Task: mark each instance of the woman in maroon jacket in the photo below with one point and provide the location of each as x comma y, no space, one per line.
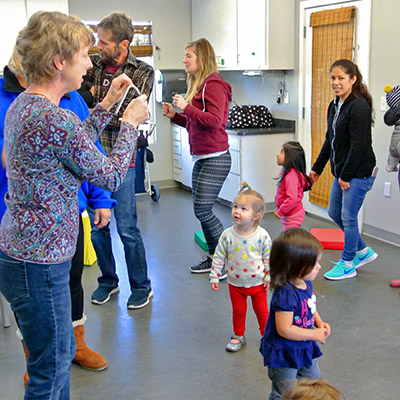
204,115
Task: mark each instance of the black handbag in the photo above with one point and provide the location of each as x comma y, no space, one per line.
250,116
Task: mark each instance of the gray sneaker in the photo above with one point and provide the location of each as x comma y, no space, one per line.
203,267
139,299
102,294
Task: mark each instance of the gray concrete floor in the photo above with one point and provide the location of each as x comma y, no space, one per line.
174,349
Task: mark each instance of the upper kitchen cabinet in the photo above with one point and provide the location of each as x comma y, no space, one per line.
265,34
247,34
216,21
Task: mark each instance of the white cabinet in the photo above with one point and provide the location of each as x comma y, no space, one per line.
216,21
231,185
247,34
254,161
265,34
182,160
259,167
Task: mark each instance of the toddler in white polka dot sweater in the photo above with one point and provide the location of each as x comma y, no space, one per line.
244,251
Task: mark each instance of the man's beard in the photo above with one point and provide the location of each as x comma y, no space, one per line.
109,58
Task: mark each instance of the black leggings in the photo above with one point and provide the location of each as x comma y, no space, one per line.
75,277
208,176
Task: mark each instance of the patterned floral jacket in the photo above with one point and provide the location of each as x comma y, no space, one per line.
49,151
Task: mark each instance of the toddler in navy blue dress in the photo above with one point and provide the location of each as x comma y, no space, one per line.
294,325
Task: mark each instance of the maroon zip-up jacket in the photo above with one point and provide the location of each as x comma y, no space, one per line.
206,116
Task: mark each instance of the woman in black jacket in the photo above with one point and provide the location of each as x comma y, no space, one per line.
348,146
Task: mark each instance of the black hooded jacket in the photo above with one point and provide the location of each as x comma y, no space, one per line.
349,145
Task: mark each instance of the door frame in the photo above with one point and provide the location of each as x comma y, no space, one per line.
361,57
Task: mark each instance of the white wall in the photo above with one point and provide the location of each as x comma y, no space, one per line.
14,16
258,90
171,31
381,212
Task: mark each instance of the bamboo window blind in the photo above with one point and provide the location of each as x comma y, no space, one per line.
333,39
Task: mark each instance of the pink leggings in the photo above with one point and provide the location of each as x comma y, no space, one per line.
258,296
293,221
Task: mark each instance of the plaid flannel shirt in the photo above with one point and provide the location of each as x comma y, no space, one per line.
142,75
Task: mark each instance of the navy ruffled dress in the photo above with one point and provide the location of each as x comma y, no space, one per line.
279,352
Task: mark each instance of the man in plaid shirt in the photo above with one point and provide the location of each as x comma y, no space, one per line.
115,34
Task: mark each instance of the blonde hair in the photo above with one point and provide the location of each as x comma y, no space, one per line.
313,389
254,199
47,35
207,65
14,64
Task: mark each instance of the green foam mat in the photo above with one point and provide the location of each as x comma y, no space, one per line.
200,240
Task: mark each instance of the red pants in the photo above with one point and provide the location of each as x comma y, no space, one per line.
239,307
293,221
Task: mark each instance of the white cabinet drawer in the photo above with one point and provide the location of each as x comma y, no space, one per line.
235,167
176,147
176,133
177,160
178,174
234,143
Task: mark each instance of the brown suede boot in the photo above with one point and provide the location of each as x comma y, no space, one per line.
26,376
85,356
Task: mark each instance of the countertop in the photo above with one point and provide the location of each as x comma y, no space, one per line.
281,126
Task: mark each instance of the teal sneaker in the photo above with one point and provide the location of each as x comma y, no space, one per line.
362,259
341,271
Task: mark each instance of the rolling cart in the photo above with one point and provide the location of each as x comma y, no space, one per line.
144,157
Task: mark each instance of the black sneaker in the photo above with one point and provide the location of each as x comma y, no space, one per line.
102,294
203,267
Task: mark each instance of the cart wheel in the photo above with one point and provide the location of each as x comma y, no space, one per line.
155,192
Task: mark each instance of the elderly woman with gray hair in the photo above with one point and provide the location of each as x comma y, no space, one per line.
49,151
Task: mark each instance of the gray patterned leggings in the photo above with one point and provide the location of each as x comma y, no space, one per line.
208,176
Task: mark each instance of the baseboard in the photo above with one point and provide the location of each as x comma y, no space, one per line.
381,234
166,184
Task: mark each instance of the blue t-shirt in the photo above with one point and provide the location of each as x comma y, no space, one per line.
279,352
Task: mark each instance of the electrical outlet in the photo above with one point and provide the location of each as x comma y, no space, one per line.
386,189
383,103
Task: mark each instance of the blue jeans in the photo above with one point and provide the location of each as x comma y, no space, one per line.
40,297
343,208
135,256
284,378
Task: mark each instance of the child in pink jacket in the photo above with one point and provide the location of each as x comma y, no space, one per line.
293,182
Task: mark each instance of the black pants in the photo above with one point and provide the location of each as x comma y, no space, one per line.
75,276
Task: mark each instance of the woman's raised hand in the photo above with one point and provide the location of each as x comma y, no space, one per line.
116,91
136,112
168,110
179,101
